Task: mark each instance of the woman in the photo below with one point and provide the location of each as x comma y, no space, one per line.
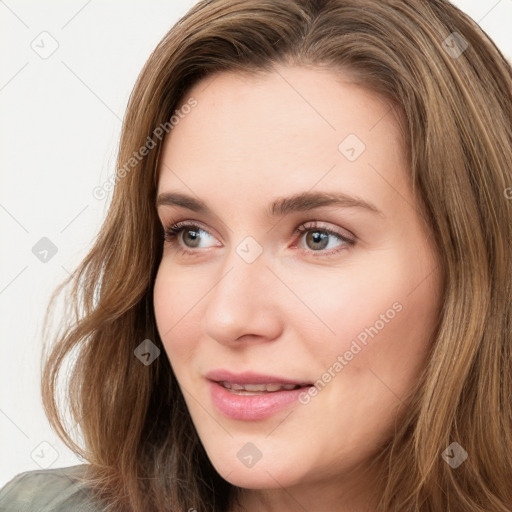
225,362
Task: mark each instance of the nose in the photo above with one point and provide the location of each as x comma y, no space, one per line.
244,303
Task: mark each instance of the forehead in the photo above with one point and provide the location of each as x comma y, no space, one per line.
286,129
288,100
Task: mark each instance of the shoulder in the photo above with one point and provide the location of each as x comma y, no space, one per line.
45,490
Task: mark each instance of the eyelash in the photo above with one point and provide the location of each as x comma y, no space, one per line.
171,234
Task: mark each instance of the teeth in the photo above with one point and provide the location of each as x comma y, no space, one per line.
262,388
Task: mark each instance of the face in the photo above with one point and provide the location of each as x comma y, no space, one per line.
337,292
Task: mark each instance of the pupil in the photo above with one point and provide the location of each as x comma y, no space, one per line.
194,236
317,236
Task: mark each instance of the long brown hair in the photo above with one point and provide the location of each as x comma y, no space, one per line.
453,88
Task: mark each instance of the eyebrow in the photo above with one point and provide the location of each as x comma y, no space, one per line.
280,207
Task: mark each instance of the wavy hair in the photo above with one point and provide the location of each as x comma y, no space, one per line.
453,88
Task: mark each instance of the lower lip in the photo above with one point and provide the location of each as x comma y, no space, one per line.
251,407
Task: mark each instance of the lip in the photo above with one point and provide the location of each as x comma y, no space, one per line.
251,407
251,378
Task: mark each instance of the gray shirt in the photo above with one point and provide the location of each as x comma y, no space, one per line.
49,490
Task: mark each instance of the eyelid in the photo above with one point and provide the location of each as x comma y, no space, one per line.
344,234
307,225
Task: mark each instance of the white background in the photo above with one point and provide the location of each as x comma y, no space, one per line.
60,125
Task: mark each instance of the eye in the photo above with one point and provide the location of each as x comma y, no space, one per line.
186,237
191,233
317,238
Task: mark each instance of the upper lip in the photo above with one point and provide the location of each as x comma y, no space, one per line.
251,378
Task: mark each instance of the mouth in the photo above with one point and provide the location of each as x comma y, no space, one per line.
249,396
256,389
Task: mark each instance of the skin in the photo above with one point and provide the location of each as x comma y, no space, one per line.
293,311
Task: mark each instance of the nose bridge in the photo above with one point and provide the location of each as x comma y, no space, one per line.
239,301
241,278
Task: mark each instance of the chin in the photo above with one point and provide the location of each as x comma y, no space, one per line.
239,470
257,479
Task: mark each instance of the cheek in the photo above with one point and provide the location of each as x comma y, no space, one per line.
379,315
405,342
383,323
173,306
349,300
162,303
